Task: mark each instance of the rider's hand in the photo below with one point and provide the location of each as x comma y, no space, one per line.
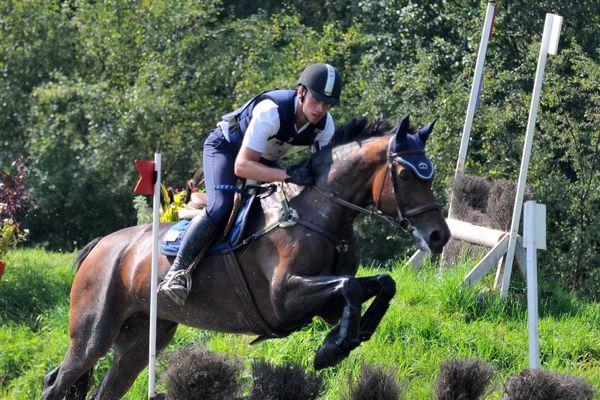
300,174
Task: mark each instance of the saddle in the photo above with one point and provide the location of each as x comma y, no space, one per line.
232,235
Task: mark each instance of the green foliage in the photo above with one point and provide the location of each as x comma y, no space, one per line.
432,318
143,211
34,310
35,282
10,235
87,87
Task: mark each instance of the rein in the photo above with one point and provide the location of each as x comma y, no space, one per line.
401,221
370,213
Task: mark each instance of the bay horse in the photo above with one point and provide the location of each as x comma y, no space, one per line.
292,274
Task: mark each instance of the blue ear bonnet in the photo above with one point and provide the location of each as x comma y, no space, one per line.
411,154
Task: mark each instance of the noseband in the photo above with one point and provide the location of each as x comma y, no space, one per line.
402,220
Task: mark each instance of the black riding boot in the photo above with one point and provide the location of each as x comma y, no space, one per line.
177,283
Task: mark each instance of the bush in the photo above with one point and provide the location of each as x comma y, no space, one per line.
194,373
539,384
284,382
374,383
463,379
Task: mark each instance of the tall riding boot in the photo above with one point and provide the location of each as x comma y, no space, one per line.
177,283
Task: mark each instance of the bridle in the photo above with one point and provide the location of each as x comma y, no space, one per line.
402,219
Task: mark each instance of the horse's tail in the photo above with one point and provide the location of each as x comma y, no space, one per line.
85,251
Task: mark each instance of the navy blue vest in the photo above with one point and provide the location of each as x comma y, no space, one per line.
284,98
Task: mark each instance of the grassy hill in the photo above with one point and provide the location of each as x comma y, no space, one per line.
433,318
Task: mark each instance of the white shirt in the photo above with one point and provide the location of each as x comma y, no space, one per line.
265,124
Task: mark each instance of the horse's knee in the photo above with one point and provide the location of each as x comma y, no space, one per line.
352,291
387,286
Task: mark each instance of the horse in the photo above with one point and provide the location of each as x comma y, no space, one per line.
291,273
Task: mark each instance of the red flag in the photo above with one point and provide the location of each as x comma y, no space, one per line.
145,185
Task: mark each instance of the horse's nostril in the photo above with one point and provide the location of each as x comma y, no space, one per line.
435,237
437,240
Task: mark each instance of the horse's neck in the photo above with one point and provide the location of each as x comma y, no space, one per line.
353,167
347,175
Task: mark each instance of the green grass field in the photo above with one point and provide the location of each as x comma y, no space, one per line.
433,318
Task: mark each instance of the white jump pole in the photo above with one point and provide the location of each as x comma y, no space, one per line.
486,34
534,237
549,45
154,279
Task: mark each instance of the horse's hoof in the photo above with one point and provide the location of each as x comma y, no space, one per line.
330,354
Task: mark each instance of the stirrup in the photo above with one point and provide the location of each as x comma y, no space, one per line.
176,285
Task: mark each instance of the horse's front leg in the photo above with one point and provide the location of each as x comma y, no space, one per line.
383,288
299,295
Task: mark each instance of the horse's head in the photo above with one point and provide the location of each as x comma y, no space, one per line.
402,188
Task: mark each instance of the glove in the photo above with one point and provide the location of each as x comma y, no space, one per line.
300,174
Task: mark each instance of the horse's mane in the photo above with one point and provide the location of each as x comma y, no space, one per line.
359,129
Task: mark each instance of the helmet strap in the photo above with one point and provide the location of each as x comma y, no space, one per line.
303,93
301,104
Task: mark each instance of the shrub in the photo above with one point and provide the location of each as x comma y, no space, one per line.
284,382
194,373
463,379
374,383
539,384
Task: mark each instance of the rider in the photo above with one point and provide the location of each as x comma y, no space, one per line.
246,144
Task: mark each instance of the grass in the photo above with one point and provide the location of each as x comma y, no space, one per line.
433,318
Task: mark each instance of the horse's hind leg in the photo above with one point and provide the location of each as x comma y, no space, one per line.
79,390
92,329
129,358
71,377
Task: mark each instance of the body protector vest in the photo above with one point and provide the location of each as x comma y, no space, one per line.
239,119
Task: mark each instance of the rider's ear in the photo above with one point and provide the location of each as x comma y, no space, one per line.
425,131
402,130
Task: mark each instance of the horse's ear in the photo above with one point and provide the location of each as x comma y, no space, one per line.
426,130
403,129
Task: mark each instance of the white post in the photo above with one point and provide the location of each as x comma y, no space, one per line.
549,41
154,278
534,238
417,258
475,86
474,96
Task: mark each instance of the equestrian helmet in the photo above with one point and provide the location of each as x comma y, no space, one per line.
323,81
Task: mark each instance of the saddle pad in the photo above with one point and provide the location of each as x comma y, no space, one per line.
172,240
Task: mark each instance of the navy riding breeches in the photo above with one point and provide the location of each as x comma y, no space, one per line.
219,159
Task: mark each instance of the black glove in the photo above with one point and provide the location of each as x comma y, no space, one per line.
300,174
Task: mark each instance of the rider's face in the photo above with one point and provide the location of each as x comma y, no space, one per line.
313,109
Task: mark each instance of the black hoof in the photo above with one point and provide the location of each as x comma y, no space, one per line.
330,354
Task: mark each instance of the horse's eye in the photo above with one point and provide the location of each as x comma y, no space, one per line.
405,175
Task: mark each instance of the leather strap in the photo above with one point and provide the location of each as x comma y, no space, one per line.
239,281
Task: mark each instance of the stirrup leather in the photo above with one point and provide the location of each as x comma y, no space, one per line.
176,285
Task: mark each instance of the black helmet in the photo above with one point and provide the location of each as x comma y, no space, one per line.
323,81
